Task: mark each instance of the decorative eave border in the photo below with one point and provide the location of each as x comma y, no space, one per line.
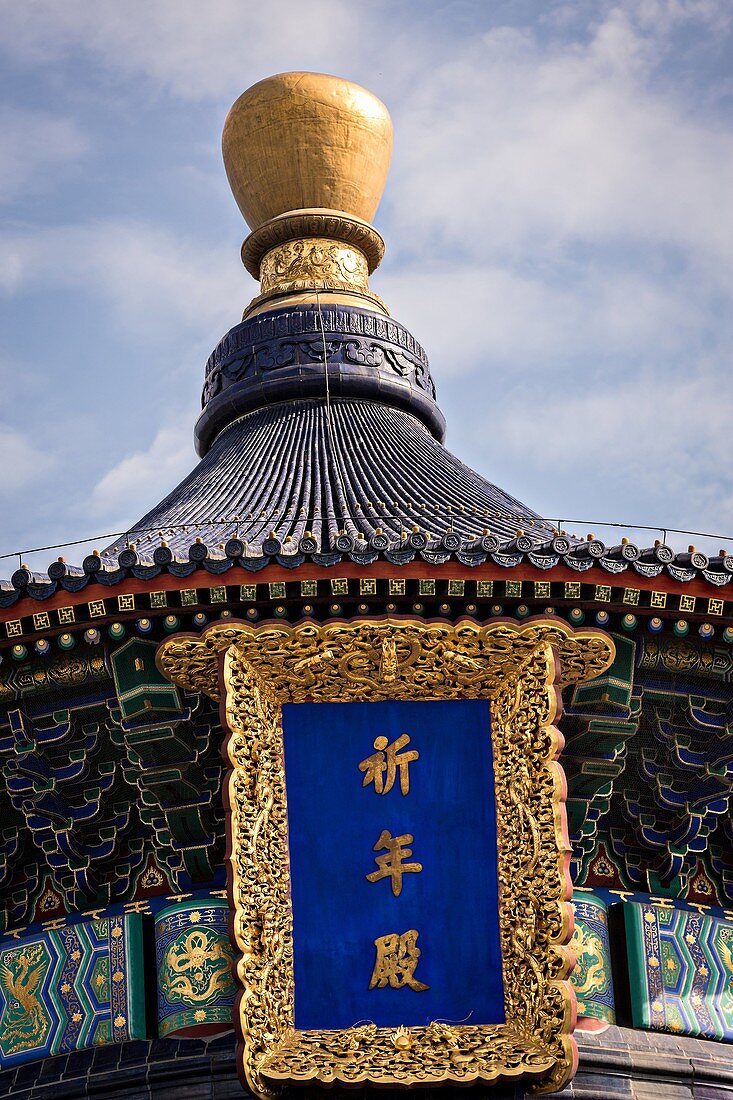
647,565
278,591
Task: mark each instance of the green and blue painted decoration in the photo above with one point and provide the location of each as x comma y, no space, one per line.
592,979
680,970
194,960
74,986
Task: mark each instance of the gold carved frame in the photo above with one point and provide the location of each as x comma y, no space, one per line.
519,668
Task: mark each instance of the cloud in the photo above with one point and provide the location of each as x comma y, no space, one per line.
473,319
140,479
193,50
21,461
152,277
33,142
600,451
523,147
667,15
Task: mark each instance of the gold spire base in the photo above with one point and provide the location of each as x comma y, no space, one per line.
304,254
299,224
297,265
325,296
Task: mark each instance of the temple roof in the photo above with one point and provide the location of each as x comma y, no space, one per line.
320,432
308,472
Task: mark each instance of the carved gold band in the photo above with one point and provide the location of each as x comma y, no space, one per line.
314,263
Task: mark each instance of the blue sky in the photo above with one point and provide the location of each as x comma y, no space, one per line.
559,223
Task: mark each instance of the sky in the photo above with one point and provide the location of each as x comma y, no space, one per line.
559,227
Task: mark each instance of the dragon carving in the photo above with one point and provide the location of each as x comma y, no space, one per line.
197,968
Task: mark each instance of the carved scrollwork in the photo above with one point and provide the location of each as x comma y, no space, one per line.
257,817
298,224
516,667
314,263
288,353
449,659
353,338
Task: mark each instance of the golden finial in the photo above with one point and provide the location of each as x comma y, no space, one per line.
299,141
307,157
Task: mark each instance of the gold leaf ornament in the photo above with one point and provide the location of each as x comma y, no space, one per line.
518,667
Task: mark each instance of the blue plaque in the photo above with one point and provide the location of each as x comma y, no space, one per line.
398,868
393,863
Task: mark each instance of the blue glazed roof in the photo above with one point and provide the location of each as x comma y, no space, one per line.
290,476
352,468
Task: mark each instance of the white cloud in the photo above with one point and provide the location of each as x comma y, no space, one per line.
598,451
135,483
152,277
33,141
665,15
192,49
474,318
521,148
21,461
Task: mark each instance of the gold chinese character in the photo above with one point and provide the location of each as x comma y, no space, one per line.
387,760
391,864
397,958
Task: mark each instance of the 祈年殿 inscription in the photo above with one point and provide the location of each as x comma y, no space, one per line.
392,838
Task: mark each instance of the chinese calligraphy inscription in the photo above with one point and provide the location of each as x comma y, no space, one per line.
381,767
514,667
392,863
397,959
397,955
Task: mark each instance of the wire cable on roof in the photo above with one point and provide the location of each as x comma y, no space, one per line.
141,532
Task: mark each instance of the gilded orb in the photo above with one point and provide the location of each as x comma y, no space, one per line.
305,140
